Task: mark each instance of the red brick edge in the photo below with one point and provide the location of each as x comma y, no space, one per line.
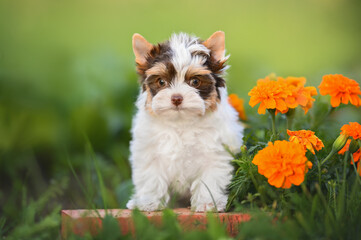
81,221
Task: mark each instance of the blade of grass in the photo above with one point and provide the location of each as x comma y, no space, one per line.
325,204
210,193
99,175
86,194
354,167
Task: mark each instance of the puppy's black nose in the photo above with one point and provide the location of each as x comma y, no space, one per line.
177,99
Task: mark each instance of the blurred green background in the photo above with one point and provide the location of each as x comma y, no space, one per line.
68,81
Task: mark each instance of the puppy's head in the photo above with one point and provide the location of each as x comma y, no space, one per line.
181,76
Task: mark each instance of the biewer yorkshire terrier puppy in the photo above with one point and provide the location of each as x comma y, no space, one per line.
183,125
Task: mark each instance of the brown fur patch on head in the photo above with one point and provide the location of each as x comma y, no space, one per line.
159,53
148,102
210,77
206,87
164,71
212,100
217,68
196,70
157,69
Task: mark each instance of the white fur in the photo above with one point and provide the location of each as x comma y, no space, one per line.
183,46
182,149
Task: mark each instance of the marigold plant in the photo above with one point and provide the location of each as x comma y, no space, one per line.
356,155
238,104
353,129
307,139
341,89
283,163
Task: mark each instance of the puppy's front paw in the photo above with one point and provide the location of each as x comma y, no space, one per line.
204,207
145,206
131,204
209,207
149,207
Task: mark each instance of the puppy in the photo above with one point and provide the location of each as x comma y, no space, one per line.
183,123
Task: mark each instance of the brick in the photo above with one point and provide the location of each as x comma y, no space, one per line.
81,221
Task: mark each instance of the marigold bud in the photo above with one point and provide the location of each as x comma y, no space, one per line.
244,149
353,146
339,143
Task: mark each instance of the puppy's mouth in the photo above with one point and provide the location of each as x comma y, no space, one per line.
177,108
170,109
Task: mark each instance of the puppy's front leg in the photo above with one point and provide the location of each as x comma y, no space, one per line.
211,188
151,190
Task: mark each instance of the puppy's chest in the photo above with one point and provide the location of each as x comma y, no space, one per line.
186,148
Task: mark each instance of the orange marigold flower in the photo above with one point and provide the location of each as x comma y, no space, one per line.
270,94
357,155
300,95
294,85
307,139
353,129
282,94
238,104
341,89
283,163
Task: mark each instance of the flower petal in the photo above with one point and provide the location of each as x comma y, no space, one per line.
270,103
262,108
335,101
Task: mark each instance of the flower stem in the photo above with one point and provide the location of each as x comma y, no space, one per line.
347,154
272,112
290,115
328,157
289,123
319,170
273,125
322,119
342,192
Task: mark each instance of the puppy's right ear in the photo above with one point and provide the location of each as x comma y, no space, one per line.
216,44
141,48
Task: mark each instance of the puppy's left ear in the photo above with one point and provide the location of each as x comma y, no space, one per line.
141,48
216,44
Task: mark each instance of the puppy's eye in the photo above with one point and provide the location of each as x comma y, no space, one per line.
161,82
195,83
